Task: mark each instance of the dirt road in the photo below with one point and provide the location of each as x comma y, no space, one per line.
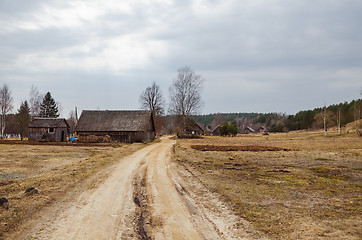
142,198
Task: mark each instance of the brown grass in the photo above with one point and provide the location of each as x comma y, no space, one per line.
54,170
225,148
311,193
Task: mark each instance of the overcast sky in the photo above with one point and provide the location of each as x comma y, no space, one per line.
254,55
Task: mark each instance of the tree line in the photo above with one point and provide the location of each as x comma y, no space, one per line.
325,117
184,105
319,118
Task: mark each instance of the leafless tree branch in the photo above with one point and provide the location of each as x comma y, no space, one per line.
6,104
152,99
185,97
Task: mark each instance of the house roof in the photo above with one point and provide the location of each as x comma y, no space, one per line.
250,129
114,121
48,123
215,128
199,126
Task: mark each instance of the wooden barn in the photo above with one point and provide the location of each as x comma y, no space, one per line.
216,131
117,126
48,130
262,129
248,130
194,130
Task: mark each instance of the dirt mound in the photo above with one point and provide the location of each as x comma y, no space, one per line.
253,148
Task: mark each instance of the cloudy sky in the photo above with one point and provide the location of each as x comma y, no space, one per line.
254,55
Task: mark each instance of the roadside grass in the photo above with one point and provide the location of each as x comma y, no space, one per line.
314,191
53,170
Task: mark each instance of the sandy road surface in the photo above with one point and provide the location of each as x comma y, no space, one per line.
141,199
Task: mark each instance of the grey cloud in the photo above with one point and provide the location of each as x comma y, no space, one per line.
10,9
278,50
294,35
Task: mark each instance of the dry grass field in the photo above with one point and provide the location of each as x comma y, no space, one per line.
54,171
299,185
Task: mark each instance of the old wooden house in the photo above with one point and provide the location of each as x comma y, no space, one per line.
48,130
262,129
216,131
117,126
194,130
248,130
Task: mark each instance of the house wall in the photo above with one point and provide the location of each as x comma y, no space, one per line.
246,131
216,132
43,135
196,130
149,136
127,137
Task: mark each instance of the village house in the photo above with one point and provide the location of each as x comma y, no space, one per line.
216,131
195,130
48,130
262,129
118,126
248,130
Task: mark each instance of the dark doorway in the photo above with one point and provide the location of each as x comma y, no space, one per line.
62,140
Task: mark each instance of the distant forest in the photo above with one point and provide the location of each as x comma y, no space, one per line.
273,122
279,122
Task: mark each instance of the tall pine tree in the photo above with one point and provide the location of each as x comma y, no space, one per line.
22,119
48,108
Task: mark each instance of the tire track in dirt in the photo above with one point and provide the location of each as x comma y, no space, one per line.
106,212
140,199
142,215
172,219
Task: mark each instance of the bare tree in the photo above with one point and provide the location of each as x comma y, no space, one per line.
152,99
35,101
185,97
6,104
325,119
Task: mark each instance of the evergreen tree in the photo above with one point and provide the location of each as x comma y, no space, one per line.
228,129
232,129
23,119
224,129
48,108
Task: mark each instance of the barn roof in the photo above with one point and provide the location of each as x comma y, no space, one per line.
215,128
199,126
250,129
48,123
114,121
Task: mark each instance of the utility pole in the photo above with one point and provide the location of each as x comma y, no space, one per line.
75,121
76,117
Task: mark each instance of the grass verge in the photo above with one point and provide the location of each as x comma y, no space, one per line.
53,170
315,192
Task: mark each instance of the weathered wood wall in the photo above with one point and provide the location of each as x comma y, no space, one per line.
43,135
127,137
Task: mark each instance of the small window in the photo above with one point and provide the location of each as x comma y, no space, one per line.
51,130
